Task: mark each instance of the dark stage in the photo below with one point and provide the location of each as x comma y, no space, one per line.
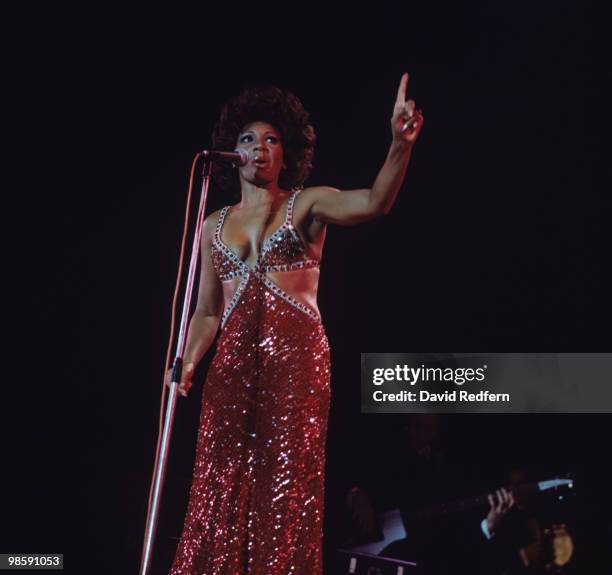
498,242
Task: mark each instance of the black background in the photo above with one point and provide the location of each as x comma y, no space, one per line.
499,239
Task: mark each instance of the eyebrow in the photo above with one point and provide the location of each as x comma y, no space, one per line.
265,133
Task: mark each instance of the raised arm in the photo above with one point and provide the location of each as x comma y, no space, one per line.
329,205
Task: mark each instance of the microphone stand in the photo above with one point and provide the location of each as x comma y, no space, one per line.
177,368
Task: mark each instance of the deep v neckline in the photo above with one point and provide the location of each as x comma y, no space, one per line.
264,244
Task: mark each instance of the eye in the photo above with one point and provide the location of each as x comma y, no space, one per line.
272,139
246,139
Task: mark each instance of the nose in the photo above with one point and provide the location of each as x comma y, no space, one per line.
259,144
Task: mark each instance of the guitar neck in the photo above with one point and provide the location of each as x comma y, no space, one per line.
468,503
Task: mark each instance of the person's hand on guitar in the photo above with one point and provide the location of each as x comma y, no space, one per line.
500,503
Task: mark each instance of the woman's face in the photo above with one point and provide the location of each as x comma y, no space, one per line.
263,144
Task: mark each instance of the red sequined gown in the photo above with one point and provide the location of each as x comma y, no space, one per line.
256,501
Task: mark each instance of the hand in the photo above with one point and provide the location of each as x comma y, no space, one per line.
186,375
406,122
500,506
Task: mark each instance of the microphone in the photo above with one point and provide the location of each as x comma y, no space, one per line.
237,157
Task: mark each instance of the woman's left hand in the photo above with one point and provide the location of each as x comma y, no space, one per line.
406,122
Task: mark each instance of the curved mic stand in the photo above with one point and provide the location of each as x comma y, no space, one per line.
177,368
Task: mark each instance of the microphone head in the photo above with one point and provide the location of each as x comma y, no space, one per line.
237,157
244,157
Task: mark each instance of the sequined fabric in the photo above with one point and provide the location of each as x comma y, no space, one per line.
256,501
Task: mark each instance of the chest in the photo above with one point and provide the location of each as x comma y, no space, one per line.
247,232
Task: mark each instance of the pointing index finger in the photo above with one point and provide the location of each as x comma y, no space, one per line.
401,91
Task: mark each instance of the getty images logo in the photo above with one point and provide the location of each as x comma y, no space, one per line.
414,375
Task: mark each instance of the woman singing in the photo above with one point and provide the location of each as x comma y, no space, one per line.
256,500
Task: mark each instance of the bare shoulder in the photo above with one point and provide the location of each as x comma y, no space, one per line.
212,219
210,225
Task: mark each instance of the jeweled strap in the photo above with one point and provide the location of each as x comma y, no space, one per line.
235,298
301,265
287,297
289,216
220,223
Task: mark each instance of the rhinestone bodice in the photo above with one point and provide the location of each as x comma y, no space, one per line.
283,251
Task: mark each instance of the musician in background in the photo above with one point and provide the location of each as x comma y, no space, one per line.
420,476
507,537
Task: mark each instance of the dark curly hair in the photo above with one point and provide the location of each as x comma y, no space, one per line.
286,113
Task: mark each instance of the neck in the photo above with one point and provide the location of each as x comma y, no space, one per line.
254,195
